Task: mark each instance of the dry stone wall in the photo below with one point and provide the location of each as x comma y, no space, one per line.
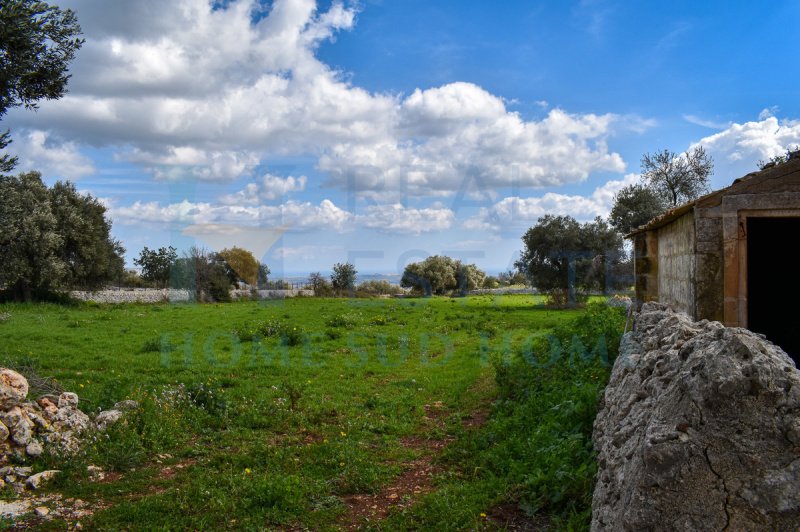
699,430
152,295
29,428
142,295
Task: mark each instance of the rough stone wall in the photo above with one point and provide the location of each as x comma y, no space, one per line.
708,264
676,264
152,295
142,295
699,430
645,264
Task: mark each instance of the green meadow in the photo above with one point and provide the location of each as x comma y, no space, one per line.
325,414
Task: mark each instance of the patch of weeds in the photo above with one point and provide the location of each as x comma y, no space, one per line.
348,320
294,392
282,494
333,334
293,336
379,320
157,344
119,448
253,332
351,469
208,396
372,402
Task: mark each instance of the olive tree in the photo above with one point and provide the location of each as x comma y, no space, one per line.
37,43
440,274
635,205
52,239
343,277
678,178
566,259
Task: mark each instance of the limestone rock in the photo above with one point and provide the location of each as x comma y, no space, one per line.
698,430
13,388
49,404
68,399
34,449
106,418
41,511
70,418
34,481
3,432
22,432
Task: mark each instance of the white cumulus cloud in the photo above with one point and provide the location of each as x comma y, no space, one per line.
193,89
737,149
37,150
396,218
514,212
293,215
269,187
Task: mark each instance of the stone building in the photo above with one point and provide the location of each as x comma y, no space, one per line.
732,256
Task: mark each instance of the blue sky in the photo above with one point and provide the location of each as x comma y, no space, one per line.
380,132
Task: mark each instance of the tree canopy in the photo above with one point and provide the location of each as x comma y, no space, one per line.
634,206
440,274
157,264
91,256
343,277
566,259
203,272
678,178
37,43
242,265
53,238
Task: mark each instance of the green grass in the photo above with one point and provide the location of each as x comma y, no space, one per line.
267,414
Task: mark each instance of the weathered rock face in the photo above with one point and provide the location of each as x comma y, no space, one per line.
13,388
699,430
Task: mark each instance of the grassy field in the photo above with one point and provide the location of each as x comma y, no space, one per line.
326,413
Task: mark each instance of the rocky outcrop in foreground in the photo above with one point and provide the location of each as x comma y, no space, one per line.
699,430
28,429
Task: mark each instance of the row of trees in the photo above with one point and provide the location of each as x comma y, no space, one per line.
211,275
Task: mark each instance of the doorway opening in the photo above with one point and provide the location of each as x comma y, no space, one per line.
773,281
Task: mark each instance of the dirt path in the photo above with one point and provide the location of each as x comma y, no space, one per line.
416,478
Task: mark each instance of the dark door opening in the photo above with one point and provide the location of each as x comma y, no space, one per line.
773,284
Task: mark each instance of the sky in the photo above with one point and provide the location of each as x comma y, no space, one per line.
380,132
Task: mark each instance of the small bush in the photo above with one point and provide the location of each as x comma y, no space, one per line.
348,320
293,336
293,392
157,345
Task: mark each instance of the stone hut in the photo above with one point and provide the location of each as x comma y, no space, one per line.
731,256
